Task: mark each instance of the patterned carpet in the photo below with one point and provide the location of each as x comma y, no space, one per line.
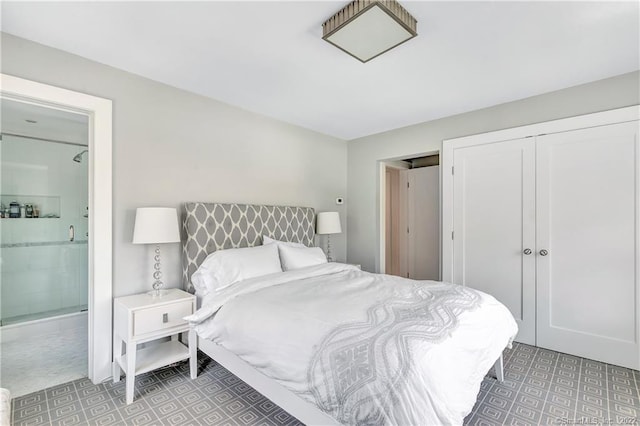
547,387
541,387
162,397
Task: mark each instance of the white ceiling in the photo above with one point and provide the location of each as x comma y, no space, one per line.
268,57
50,123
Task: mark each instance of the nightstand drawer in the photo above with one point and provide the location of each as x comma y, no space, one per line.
161,317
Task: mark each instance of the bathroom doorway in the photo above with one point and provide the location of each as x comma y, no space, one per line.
44,213
98,158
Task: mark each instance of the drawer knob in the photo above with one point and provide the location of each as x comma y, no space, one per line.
165,318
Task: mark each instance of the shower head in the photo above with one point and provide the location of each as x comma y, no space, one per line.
78,157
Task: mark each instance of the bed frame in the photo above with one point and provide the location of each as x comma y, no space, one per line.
207,227
301,409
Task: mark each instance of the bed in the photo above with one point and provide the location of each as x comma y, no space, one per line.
332,344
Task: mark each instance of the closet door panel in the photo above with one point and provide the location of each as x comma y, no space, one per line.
587,209
494,222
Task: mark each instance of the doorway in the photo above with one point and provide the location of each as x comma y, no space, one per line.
98,158
44,211
411,221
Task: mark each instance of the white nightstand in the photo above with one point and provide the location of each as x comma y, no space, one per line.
141,318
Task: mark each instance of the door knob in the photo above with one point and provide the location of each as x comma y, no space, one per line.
543,252
527,251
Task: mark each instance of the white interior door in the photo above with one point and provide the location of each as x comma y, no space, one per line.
587,209
388,229
403,223
494,225
392,225
424,223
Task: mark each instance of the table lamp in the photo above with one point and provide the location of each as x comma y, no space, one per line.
328,223
156,225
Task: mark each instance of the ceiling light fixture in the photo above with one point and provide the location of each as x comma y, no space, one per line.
367,28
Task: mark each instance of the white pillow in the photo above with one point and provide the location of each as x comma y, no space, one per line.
225,267
300,257
267,240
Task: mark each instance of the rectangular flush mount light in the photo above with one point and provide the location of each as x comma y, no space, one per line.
367,28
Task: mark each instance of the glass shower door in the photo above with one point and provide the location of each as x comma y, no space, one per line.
44,240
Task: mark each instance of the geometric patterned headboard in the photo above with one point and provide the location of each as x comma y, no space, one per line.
207,227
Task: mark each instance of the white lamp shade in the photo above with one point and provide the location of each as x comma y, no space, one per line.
328,223
156,225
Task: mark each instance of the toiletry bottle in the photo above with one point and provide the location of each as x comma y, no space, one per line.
14,209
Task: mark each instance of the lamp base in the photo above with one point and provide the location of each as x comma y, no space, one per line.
158,293
329,258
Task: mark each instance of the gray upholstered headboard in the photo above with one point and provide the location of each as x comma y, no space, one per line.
207,227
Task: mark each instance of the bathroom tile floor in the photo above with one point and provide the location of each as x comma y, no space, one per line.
33,363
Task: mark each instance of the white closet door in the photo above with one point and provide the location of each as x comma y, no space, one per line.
423,212
587,209
494,225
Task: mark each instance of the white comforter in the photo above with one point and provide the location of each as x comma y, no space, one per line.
365,348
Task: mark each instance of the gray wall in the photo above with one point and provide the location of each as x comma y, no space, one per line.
366,153
171,146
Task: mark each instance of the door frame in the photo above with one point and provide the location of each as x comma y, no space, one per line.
381,264
449,146
396,163
99,113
